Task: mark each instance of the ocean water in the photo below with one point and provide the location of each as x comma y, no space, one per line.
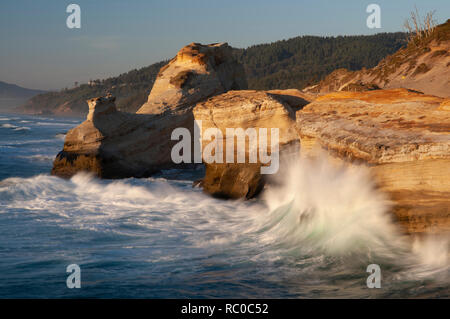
312,236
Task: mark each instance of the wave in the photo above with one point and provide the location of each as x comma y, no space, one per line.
91,201
15,127
38,157
333,207
337,209
319,208
60,136
28,142
47,124
320,224
8,125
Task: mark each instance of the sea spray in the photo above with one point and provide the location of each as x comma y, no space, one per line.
433,250
323,206
330,207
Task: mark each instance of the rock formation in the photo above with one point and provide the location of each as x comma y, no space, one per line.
246,109
115,144
197,72
403,136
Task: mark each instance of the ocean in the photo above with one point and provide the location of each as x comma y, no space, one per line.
311,236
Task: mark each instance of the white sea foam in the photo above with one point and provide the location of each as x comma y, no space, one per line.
8,125
38,157
28,142
320,216
15,127
432,250
60,136
331,207
54,124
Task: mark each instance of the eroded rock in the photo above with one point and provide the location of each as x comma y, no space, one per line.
246,110
197,72
114,144
403,136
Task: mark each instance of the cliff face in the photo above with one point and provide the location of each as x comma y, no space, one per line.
114,144
247,110
424,67
403,136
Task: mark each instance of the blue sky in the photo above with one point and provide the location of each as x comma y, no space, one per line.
39,51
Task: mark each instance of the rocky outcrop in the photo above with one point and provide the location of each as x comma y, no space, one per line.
197,72
403,136
114,144
246,110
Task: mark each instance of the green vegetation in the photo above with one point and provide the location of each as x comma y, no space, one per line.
303,61
293,63
131,90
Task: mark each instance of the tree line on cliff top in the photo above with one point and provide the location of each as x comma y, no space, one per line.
292,63
303,61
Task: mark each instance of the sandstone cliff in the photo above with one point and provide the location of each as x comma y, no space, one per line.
197,72
247,110
114,144
403,136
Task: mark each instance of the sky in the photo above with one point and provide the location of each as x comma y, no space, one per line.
39,51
